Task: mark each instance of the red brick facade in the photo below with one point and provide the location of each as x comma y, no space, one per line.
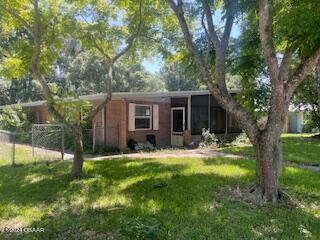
111,124
163,134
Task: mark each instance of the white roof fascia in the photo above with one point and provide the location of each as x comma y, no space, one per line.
124,95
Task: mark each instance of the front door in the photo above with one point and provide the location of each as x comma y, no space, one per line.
177,126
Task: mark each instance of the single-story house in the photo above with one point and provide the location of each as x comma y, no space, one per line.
172,118
295,123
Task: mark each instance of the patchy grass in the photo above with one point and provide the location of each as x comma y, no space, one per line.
23,154
299,148
177,198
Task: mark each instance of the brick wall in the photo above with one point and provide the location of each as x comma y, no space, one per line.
41,112
108,131
114,131
163,134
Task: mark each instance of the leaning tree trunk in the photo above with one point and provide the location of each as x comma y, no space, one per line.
77,155
268,157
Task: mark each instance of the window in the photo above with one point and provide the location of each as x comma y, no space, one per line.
142,119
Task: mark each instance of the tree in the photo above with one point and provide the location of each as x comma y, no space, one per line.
176,77
85,74
308,94
13,119
18,90
44,23
283,79
79,71
246,62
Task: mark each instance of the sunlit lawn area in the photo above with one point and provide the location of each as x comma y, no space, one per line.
300,148
178,198
23,154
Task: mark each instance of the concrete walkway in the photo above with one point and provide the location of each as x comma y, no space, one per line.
193,153
179,153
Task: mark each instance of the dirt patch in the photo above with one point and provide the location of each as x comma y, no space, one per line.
237,194
196,153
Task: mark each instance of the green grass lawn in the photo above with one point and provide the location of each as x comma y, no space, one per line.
23,154
178,198
299,148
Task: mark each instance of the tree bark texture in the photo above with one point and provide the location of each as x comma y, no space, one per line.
77,163
267,169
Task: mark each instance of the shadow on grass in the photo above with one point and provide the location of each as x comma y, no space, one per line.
180,195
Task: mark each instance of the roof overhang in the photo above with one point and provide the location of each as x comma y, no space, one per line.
123,95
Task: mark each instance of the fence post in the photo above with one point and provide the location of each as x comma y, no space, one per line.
13,149
62,142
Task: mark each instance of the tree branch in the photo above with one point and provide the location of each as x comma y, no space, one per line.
94,40
222,95
108,98
14,14
265,30
207,58
112,60
302,71
96,45
279,104
34,67
228,25
132,38
285,63
188,39
211,29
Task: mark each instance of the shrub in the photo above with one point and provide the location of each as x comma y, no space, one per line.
241,139
142,229
310,124
100,149
14,119
208,139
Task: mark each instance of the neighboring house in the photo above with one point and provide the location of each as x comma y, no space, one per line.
295,121
173,118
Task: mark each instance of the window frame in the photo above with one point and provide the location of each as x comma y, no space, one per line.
150,117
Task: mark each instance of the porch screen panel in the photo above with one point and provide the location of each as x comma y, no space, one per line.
199,113
217,120
233,126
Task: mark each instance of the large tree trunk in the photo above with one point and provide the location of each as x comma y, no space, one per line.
268,160
76,171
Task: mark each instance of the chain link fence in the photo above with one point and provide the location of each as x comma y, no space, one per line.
43,144
48,141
